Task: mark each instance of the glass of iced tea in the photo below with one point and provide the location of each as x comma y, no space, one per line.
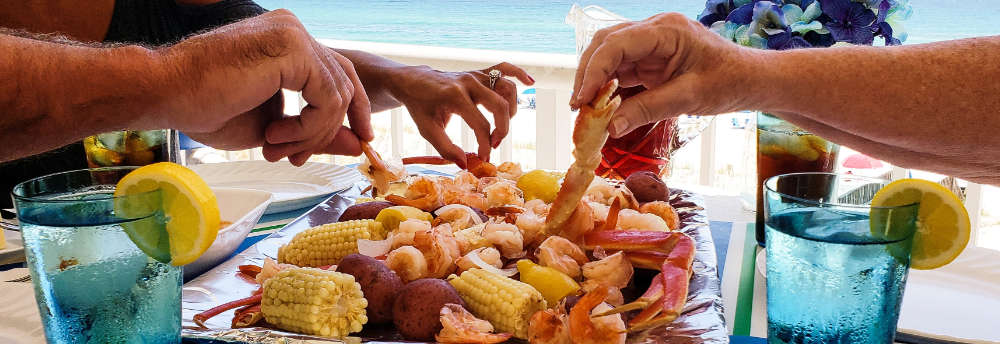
127,148
784,148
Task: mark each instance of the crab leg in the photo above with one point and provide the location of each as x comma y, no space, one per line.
631,240
668,307
247,316
477,166
202,317
589,135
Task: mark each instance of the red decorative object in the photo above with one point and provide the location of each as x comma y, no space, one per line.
646,148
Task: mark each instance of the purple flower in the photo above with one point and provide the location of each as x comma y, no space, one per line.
849,21
715,10
786,40
742,15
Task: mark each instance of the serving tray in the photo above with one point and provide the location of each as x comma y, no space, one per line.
701,322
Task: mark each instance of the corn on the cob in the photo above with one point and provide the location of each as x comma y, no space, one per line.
327,244
313,301
504,302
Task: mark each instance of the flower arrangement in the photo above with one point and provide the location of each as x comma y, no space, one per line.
791,24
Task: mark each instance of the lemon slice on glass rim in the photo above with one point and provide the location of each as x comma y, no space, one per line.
189,205
943,226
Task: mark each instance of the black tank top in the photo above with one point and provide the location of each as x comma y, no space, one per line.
146,22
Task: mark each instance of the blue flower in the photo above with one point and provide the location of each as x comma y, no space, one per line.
850,21
715,10
786,40
742,15
803,21
767,19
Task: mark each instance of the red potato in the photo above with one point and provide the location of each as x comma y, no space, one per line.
363,211
417,311
647,187
378,283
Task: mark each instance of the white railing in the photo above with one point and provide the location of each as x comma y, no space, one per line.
553,74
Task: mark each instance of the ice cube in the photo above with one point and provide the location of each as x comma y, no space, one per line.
114,141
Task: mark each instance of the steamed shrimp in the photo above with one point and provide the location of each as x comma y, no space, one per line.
629,219
503,193
506,237
460,326
532,227
550,326
422,192
459,216
580,222
558,253
440,250
665,211
585,329
408,262
403,236
269,269
489,255
614,270
509,171
600,191
537,206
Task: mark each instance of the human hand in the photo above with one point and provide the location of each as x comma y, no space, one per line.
433,96
685,68
238,68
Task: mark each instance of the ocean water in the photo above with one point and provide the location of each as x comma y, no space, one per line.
539,26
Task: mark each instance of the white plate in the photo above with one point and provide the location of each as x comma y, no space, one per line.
14,251
242,208
292,187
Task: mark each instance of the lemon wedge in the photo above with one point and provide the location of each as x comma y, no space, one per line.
189,205
943,225
391,217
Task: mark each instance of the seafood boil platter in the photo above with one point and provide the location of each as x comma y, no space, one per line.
492,254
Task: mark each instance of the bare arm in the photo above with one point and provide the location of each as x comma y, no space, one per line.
938,101
83,21
929,106
55,94
375,72
59,93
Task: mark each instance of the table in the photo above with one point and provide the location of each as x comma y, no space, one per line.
731,222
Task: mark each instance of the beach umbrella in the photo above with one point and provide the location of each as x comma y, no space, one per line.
861,161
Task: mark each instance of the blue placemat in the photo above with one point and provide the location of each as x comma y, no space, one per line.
721,231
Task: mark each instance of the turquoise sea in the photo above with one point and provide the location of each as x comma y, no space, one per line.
539,26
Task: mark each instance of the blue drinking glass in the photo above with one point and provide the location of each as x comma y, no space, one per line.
836,266
92,283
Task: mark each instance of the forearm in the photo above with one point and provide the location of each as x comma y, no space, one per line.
55,94
376,73
936,98
963,165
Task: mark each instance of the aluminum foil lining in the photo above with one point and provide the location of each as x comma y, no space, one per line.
701,322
